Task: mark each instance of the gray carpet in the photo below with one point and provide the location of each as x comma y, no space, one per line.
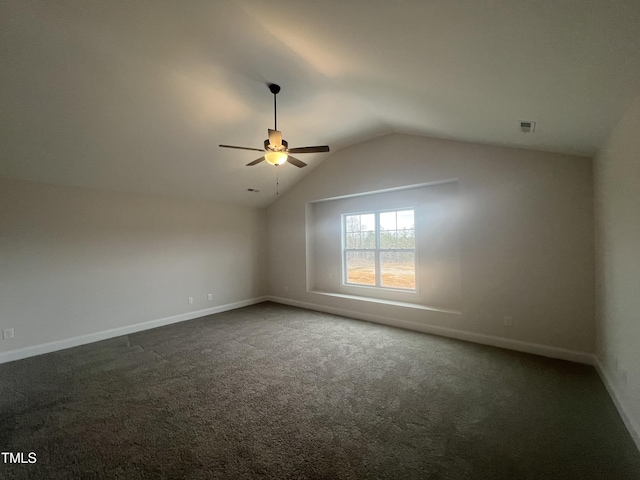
271,391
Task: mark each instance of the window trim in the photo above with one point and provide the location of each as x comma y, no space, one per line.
377,251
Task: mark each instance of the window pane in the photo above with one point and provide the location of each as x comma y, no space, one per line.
368,240
388,221
405,220
361,268
407,239
368,222
352,223
398,269
388,239
353,240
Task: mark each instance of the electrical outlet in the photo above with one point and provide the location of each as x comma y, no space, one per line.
508,321
190,300
7,333
286,289
210,296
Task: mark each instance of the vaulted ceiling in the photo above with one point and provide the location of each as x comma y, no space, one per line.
136,96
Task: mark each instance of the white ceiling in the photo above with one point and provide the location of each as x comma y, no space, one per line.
136,96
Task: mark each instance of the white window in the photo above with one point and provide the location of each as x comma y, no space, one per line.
379,249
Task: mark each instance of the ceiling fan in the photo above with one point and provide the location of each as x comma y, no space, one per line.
277,150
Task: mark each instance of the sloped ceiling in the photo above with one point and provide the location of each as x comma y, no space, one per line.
136,96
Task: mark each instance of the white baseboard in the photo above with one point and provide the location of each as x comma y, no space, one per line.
49,347
518,345
634,428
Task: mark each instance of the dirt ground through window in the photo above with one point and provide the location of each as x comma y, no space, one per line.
395,275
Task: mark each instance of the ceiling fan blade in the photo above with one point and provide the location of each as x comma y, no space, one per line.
242,148
275,138
255,162
320,148
296,162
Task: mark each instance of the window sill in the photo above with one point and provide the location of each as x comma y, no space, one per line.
388,302
376,288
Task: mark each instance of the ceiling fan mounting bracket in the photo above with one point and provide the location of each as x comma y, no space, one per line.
274,88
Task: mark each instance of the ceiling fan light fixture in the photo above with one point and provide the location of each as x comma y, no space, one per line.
275,158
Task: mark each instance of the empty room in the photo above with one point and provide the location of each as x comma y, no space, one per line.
320,240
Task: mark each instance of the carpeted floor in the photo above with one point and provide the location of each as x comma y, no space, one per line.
271,391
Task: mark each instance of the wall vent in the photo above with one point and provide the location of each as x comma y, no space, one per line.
527,126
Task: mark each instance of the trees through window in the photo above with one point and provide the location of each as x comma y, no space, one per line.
379,249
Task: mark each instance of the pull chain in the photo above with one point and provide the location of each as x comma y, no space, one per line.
277,182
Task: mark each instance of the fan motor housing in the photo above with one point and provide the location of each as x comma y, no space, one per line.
268,148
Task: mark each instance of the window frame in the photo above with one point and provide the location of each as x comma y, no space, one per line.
377,251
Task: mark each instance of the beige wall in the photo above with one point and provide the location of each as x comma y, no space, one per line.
77,261
526,236
617,182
